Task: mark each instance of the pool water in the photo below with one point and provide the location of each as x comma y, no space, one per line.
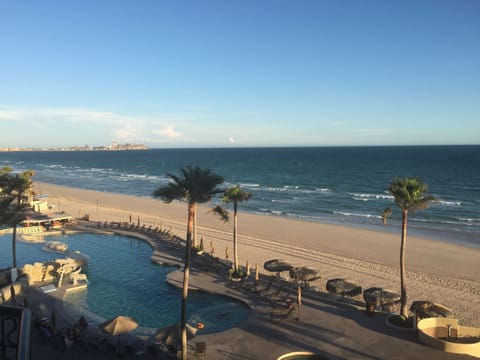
123,281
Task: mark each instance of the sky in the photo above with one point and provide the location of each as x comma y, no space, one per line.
205,73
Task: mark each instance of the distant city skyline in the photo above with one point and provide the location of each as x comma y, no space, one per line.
114,146
239,74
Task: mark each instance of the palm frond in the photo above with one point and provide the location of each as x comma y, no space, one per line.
223,214
235,194
170,192
409,193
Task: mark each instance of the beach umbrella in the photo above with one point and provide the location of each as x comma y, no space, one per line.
428,309
304,273
343,287
172,335
119,325
277,265
379,296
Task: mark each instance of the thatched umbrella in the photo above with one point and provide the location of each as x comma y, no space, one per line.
119,325
304,273
343,287
428,309
277,265
379,296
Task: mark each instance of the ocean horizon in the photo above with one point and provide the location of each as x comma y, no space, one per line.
345,185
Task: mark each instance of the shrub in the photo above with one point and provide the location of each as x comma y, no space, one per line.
402,321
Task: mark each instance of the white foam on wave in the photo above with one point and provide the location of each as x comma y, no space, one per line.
448,203
285,201
249,185
295,189
369,196
468,220
360,199
344,213
54,166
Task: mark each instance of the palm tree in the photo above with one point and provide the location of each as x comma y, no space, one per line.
385,214
195,185
13,188
409,194
236,195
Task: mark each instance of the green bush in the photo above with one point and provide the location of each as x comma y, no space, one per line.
232,274
402,321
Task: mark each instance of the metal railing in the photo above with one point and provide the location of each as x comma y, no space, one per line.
15,326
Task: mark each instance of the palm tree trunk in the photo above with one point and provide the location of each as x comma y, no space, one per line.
14,246
235,254
186,277
403,288
194,232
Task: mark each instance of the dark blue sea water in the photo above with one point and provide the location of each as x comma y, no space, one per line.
341,185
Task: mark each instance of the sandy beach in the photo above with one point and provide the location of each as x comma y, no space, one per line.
445,273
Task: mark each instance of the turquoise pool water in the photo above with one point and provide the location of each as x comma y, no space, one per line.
123,281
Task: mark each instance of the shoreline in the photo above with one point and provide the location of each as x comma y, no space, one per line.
437,271
465,239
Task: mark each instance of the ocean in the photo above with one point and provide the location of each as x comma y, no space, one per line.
338,185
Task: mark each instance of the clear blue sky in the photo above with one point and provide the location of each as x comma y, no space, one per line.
239,73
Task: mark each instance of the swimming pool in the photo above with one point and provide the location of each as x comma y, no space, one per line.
123,281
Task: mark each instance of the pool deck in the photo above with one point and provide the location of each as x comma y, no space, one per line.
327,326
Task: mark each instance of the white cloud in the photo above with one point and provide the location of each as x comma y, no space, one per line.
66,114
9,115
129,131
231,140
168,132
77,124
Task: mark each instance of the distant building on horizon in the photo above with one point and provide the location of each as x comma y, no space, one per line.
113,147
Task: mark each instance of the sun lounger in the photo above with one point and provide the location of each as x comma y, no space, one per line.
281,301
281,313
266,288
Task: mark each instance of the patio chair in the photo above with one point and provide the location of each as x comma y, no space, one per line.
266,289
281,313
